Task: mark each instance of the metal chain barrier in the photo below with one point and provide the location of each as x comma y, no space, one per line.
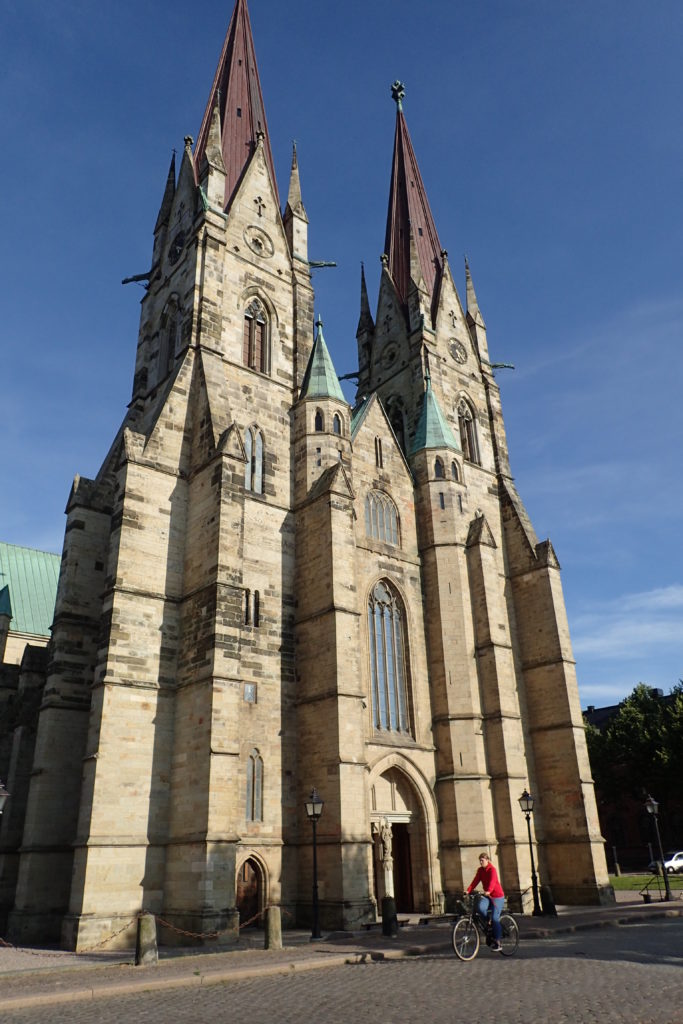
159,920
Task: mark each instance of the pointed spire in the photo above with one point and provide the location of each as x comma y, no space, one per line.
365,321
167,201
432,430
236,90
320,379
294,201
473,310
409,212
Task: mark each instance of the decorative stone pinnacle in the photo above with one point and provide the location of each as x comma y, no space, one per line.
398,91
384,259
189,142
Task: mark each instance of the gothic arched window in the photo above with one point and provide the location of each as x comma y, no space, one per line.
255,345
319,421
253,472
468,432
386,628
381,518
254,802
454,470
336,424
438,469
169,342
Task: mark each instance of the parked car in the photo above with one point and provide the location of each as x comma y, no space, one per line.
673,863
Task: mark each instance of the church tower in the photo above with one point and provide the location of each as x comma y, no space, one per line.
265,591
172,654
504,696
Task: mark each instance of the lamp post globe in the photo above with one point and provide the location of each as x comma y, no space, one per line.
314,808
526,803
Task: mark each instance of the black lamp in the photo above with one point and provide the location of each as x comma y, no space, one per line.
652,807
526,802
314,808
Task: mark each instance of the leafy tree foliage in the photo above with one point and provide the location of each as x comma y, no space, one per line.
640,750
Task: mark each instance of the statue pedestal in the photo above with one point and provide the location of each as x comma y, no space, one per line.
389,918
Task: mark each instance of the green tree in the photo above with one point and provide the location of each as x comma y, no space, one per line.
640,751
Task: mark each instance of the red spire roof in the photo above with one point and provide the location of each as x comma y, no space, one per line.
237,89
409,209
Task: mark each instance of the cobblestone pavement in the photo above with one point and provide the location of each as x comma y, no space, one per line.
631,975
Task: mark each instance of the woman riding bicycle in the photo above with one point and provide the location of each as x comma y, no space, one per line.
493,899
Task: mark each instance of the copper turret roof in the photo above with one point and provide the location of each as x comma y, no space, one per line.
237,89
409,210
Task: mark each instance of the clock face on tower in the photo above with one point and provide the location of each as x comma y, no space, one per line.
458,351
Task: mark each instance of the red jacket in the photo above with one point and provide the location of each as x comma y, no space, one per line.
488,877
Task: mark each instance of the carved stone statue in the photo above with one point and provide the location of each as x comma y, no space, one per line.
385,854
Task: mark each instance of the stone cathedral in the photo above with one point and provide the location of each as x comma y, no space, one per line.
265,590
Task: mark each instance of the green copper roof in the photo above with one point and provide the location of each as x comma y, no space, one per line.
320,379
433,430
31,578
358,413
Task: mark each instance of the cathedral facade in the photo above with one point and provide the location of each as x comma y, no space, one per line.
265,590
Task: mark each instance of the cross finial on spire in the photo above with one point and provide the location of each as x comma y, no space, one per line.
398,91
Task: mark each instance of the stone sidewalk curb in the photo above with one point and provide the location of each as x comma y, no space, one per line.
646,914
147,982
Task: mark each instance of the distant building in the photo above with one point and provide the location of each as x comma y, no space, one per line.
28,589
266,590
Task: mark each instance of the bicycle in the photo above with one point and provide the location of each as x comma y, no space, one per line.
469,929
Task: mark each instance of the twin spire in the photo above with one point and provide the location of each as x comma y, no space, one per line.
236,90
410,224
411,244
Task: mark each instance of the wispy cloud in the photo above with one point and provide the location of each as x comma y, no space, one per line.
632,625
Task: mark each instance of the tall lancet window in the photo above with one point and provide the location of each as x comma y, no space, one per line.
386,628
170,337
255,345
254,799
381,518
253,471
468,432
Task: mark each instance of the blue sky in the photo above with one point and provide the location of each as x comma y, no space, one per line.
548,136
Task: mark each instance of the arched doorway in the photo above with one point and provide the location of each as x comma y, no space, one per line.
400,860
248,894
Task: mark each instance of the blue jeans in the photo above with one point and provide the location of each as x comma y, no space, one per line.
492,905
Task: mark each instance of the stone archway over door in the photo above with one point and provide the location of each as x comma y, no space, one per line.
396,805
248,893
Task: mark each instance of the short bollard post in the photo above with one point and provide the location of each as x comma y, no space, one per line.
273,939
389,918
547,901
146,943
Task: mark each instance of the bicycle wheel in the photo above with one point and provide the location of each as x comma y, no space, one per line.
509,938
465,938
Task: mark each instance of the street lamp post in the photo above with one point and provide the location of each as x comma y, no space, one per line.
526,802
652,808
314,808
